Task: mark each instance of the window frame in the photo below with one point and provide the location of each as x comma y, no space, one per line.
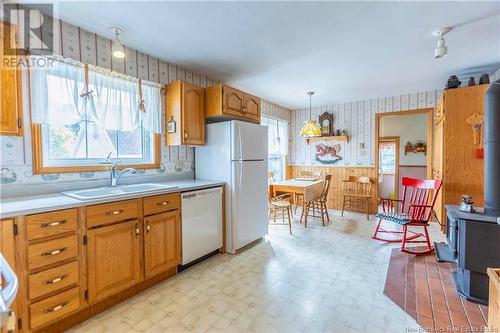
40,168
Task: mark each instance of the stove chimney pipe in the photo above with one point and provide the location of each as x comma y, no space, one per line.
492,150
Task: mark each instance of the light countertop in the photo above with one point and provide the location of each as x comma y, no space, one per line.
43,203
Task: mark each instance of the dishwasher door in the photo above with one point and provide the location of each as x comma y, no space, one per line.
201,223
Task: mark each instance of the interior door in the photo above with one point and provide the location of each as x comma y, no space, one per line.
252,107
249,141
113,259
161,242
193,118
249,202
232,101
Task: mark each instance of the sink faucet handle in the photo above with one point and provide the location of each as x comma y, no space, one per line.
116,163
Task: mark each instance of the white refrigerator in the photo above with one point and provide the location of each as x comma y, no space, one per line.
236,153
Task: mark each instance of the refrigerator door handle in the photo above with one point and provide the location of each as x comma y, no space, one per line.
241,175
240,141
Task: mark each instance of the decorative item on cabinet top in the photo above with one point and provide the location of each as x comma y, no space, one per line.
185,114
224,102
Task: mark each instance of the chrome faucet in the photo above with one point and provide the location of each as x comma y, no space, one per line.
115,175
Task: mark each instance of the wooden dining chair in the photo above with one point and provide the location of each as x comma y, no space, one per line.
298,198
319,204
354,191
278,207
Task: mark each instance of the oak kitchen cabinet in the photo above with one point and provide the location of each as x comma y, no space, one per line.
185,105
76,262
11,113
113,259
225,102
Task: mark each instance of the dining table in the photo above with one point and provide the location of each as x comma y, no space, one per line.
310,189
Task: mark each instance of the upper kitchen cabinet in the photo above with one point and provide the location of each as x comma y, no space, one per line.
10,86
224,102
185,114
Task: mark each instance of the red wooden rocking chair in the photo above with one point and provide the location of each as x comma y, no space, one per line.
414,210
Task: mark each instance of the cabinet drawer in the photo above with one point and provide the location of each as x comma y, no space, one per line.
54,307
52,223
53,279
111,212
161,203
53,251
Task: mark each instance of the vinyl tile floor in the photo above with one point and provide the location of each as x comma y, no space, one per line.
319,279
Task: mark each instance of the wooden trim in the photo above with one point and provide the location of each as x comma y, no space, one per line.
394,139
38,168
429,112
413,166
329,166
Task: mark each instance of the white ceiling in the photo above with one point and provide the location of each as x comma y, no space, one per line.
345,51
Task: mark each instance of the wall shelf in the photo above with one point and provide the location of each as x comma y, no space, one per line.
329,138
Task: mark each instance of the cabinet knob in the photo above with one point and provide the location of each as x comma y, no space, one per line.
185,134
137,230
148,227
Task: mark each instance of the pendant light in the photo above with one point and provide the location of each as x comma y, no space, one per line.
117,49
310,128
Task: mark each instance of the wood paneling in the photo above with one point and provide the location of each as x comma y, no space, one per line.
161,242
494,300
338,175
113,259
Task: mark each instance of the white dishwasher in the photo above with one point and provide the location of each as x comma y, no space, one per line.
201,223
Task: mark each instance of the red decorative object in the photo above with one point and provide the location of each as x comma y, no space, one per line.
480,153
414,210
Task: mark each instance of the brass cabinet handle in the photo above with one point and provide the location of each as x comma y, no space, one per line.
53,252
164,203
137,230
185,134
56,280
114,212
56,308
148,227
52,224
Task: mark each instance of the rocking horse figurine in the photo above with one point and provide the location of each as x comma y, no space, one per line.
326,154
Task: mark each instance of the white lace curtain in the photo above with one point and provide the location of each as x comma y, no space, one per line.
277,135
61,96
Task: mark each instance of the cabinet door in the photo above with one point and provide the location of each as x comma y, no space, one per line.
113,259
437,166
10,89
193,115
162,242
251,107
232,101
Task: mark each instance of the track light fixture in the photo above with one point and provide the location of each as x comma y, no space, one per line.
441,49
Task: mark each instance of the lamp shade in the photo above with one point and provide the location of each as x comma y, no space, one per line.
310,129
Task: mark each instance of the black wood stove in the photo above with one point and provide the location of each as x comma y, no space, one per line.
473,239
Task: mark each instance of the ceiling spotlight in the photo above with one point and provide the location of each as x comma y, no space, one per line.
441,49
117,50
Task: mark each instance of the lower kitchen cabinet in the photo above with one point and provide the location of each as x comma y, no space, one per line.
113,254
161,242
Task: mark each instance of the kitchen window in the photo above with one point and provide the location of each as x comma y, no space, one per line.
83,114
277,146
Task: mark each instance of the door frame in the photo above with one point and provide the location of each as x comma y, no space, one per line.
394,139
429,112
